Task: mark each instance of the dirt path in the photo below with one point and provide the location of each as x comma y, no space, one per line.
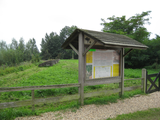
100,112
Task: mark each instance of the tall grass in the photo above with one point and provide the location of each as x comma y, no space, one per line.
21,67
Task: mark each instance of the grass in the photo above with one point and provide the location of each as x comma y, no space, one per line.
4,70
150,114
12,113
65,72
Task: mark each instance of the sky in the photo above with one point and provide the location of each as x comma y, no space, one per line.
34,18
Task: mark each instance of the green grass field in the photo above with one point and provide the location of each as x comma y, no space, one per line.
64,72
150,114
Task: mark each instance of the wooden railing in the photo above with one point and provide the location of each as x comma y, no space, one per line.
56,99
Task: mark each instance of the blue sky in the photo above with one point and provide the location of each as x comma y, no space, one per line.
35,18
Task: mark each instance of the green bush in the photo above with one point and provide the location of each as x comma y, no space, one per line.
35,58
153,66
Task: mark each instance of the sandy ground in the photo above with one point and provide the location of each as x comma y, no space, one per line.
101,112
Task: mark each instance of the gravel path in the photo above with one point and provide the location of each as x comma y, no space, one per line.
100,112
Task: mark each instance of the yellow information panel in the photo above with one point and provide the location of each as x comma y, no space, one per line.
102,63
89,57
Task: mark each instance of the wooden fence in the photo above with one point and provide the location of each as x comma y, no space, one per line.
37,101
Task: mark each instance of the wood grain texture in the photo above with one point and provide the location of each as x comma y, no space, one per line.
121,84
133,79
8,89
39,101
75,50
99,81
143,84
56,99
63,98
132,88
101,93
33,108
89,47
81,68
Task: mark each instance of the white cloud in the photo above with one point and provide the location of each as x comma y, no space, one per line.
35,18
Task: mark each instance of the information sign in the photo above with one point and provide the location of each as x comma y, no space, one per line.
102,63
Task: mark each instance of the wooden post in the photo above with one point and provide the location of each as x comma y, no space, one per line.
143,87
33,108
159,82
121,84
81,75
146,81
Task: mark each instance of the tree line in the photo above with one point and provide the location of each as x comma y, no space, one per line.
132,27
18,52
51,45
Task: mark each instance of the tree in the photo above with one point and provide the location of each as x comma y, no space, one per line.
14,44
153,51
18,52
3,45
134,28
64,34
51,44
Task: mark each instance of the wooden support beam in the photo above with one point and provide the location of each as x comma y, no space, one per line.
72,39
127,52
89,47
75,50
121,84
81,66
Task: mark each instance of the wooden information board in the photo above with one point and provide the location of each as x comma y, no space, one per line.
102,63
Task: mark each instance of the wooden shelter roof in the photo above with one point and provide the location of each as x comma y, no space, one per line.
103,39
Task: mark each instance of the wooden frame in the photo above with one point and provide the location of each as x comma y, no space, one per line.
82,69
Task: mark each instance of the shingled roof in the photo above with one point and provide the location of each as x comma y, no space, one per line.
105,39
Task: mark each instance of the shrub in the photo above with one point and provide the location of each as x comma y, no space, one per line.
35,58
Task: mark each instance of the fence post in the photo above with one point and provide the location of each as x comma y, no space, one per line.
144,76
33,108
159,82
